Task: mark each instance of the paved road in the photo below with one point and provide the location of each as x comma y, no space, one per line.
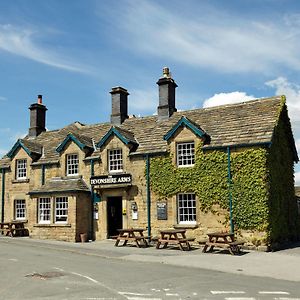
32,272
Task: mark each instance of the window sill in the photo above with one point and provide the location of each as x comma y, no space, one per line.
20,180
185,226
52,225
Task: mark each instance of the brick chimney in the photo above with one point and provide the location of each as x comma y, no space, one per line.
37,118
119,109
166,88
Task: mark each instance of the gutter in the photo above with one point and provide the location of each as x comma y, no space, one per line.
3,194
92,234
266,144
148,195
229,189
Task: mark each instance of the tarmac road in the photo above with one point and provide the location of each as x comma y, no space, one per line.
32,269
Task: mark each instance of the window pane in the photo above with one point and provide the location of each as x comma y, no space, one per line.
115,160
186,208
186,154
20,209
61,209
72,164
21,168
44,210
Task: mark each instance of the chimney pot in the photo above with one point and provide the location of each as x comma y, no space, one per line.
37,118
166,86
40,99
119,101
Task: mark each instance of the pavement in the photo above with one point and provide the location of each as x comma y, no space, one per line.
283,264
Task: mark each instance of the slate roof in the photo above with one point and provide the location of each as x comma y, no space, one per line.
246,123
62,185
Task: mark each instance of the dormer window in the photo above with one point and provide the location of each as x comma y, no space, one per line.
185,154
115,160
21,169
72,166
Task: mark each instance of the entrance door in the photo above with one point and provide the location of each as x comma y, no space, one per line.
114,215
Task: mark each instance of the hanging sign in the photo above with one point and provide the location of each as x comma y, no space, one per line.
111,179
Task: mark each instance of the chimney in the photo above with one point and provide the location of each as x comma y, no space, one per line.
37,118
119,109
166,88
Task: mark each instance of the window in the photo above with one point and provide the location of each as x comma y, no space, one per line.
115,160
186,208
72,164
20,209
53,210
44,210
21,168
185,154
61,210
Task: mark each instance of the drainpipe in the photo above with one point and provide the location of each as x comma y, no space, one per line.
92,202
43,174
229,190
3,193
148,194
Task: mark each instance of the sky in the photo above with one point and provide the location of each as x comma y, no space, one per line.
74,51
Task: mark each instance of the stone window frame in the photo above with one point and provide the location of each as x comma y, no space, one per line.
21,169
20,209
185,154
72,164
114,160
189,211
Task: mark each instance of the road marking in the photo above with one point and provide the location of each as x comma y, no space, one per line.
134,294
169,294
286,298
13,259
240,298
86,277
227,292
273,293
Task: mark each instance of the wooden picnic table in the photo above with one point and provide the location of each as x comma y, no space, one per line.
132,234
222,240
13,228
174,236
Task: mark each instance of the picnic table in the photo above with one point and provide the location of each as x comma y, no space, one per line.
13,228
174,236
132,234
222,240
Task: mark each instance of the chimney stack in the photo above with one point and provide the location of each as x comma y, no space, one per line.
37,118
167,88
119,101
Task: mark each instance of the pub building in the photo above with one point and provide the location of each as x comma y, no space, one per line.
222,168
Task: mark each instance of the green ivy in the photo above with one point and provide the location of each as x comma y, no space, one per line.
208,178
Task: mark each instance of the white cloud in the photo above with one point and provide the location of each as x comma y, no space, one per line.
22,42
141,101
292,92
227,98
213,39
3,98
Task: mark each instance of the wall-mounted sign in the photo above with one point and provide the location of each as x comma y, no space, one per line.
111,179
162,213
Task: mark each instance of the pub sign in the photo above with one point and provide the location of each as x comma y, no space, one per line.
111,179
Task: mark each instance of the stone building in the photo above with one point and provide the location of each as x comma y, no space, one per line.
220,168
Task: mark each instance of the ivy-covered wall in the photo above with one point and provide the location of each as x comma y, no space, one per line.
208,178
283,217
262,184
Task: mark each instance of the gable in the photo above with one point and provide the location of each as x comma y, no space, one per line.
184,122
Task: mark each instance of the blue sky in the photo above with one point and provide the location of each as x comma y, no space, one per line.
74,51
